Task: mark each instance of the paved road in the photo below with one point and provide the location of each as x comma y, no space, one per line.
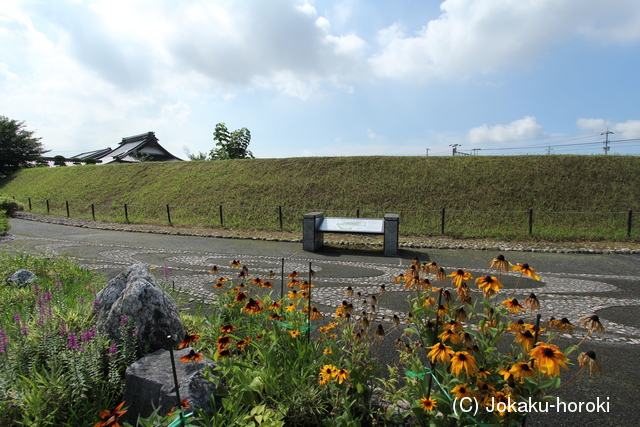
573,285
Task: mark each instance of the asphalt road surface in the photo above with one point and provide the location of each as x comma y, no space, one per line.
572,285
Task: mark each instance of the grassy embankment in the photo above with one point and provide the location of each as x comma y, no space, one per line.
483,196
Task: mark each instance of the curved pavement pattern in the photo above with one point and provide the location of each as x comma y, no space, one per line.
189,260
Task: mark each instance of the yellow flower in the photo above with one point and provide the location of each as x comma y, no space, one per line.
463,360
549,359
461,391
513,305
525,338
440,352
342,375
428,404
294,333
327,351
525,270
459,276
488,284
521,370
327,373
451,336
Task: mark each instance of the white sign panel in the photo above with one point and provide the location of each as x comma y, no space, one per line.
352,225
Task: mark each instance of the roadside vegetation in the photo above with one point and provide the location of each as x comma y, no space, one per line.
572,197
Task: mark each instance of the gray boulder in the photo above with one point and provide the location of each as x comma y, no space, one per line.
149,384
134,298
21,278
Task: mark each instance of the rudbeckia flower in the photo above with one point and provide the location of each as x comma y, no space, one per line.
441,275
227,329
223,341
379,333
461,391
549,359
224,353
513,306
449,335
488,285
294,333
532,302
110,418
428,404
327,373
500,264
214,270
440,353
525,270
588,358
241,344
525,338
521,370
592,323
235,263
342,375
188,340
192,356
293,274
463,360
459,276
253,306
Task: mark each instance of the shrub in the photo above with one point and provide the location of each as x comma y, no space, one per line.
4,224
9,206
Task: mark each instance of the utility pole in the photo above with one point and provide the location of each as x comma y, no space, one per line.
548,150
427,152
455,148
606,141
474,151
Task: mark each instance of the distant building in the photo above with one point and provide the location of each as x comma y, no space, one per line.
133,149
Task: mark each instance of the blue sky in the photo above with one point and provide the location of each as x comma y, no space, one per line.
326,78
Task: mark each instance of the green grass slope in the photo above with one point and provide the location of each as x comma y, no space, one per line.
372,184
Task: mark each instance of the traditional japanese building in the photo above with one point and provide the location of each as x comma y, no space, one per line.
133,149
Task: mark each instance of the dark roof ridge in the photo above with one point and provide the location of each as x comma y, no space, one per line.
142,137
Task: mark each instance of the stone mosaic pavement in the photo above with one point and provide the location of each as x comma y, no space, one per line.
562,294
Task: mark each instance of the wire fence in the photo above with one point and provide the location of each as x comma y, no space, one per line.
514,224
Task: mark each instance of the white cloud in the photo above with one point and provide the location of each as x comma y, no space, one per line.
622,130
523,129
486,35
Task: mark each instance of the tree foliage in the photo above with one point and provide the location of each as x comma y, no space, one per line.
231,145
18,147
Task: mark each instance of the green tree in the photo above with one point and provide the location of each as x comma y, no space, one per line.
231,145
18,147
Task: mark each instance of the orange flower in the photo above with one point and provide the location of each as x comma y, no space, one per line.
513,305
463,360
191,357
223,341
188,340
253,306
549,359
525,270
459,276
440,352
227,329
428,404
235,263
224,353
110,418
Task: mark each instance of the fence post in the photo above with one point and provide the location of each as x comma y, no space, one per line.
93,212
442,222
66,203
629,223
221,219
169,216
280,215
47,206
29,198
126,214
530,222
358,213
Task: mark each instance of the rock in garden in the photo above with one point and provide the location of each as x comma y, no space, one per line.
134,302
21,278
149,384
